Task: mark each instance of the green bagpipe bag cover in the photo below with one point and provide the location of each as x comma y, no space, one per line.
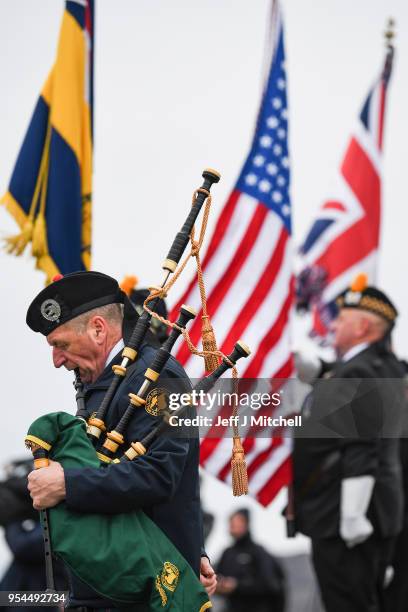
124,557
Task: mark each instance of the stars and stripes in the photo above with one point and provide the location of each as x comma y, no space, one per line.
344,238
248,274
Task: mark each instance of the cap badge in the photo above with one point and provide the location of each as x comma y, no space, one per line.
352,297
51,310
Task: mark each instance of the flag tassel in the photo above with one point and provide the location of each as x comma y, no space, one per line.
39,239
16,244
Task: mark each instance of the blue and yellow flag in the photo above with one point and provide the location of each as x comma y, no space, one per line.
50,191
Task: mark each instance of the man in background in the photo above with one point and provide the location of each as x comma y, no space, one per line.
24,537
347,473
249,578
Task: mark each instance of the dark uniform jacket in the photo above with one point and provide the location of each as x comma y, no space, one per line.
356,418
27,570
260,578
163,483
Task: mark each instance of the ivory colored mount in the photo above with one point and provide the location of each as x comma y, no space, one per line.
211,175
240,350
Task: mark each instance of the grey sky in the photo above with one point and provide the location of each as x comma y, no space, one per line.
177,89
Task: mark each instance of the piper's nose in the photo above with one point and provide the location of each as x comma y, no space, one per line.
58,357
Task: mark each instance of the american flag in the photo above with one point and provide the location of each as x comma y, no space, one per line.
248,274
344,238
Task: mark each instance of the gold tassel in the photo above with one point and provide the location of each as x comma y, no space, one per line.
40,245
17,244
239,469
209,344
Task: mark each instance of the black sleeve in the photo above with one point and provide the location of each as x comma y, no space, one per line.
203,552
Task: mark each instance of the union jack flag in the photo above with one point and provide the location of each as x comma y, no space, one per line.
248,273
344,238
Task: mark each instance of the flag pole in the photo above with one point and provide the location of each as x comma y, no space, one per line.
389,34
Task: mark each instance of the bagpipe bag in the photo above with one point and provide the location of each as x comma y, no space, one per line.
123,557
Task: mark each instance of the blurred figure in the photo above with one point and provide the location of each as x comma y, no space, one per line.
249,578
15,502
138,297
396,595
23,535
346,468
26,572
207,517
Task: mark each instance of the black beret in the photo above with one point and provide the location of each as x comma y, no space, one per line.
364,297
70,296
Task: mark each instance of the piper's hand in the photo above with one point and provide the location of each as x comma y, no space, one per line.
47,486
208,577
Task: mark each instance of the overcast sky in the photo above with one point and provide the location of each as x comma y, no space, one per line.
177,89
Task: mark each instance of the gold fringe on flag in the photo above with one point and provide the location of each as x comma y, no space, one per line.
16,244
34,229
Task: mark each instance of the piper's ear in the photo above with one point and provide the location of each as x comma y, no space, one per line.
97,327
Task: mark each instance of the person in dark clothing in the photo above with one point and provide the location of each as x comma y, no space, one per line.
396,594
27,569
137,296
15,503
248,576
347,474
23,535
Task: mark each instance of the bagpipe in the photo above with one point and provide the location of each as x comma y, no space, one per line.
159,573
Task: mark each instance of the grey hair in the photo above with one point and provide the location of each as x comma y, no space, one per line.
112,313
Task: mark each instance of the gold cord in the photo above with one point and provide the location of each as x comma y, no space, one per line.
210,352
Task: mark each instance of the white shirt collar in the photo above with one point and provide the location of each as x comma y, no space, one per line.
118,347
355,350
